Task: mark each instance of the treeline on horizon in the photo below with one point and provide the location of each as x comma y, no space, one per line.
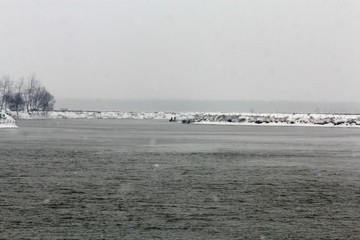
24,95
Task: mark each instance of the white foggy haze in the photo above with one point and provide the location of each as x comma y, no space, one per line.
198,50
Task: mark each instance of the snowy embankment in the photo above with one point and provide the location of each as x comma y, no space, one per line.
269,119
6,121
101,115
272,119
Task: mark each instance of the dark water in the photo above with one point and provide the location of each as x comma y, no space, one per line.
128,179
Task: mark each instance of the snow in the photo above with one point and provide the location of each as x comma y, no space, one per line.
251,119
6,121
272,119
102,115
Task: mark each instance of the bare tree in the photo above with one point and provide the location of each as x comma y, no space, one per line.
20,85
30,92
30,95
5,91
16,102
46,100
18,99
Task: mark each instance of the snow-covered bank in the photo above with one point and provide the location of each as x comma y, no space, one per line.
337,120
102,115
6,121
269,119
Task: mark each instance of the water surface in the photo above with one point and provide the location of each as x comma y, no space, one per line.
150,179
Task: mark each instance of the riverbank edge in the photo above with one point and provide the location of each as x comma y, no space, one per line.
216,118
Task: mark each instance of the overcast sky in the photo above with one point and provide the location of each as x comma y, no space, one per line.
221,50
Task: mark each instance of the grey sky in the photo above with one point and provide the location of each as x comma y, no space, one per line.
205,50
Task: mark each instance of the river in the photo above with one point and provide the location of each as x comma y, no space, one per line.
152,179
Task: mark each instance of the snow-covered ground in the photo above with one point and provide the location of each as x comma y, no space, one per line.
272,119
6,121
102,115
269,119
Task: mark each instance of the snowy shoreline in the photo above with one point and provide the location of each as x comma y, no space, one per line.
276,125
232,119
99,115
7,121
272,119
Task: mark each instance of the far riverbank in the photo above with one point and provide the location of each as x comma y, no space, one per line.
271,119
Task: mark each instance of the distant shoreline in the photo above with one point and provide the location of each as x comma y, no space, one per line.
232,119
275,119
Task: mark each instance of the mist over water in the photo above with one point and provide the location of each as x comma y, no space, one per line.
129,179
